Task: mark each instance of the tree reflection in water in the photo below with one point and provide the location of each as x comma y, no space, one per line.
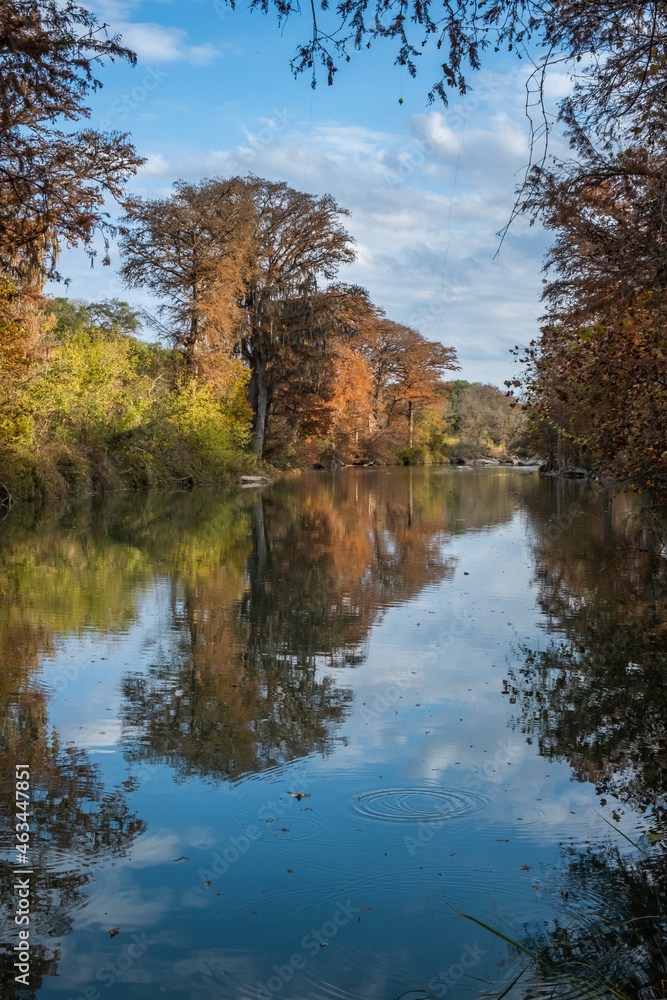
597,697
611,939
75,825
243,685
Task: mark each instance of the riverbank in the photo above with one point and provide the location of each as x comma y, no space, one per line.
65,473
59,471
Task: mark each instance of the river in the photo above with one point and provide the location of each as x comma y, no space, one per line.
333,738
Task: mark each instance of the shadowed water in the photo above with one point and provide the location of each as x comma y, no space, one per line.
281,740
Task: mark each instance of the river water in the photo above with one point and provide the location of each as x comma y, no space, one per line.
323,739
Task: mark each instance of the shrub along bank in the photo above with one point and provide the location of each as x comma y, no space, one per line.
86,406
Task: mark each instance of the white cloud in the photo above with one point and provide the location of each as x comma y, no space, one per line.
153,849
157,166
102,732
159,44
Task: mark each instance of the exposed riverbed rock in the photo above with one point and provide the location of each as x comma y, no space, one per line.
548,472
248,481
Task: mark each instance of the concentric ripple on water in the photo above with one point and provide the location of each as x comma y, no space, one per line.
417,805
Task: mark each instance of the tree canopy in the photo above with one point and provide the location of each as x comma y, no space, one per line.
53,181
191,249
238,261
616,43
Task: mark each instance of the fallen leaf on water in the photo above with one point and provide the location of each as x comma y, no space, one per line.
277,836
324,945
290,871
526,868
299,795
183,857
208,881
114,931
499,840
364,909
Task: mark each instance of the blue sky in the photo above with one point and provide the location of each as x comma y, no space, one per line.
428,187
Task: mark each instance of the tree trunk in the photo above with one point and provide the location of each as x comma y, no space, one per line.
258,398
410,422
189,346
190,342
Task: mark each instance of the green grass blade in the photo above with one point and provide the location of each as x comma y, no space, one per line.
492,930
513,983
617,830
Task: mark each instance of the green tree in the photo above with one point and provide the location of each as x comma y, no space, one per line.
454,392
17,357
114,315
74,316
70,316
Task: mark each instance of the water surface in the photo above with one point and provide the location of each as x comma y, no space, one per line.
281,740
